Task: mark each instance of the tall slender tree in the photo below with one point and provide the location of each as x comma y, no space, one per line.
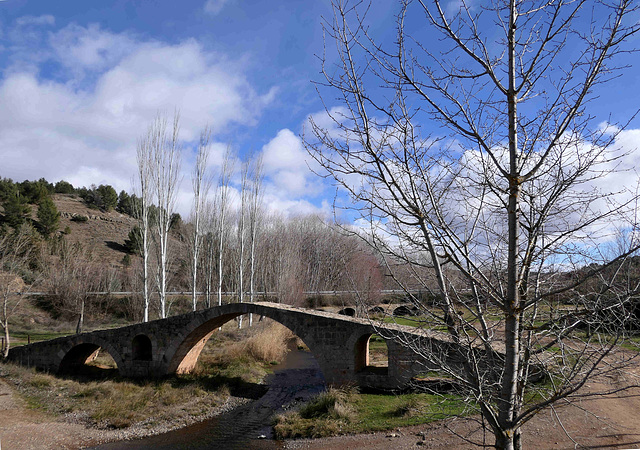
222,211
141,207
165,175
254,215
242,231
201,183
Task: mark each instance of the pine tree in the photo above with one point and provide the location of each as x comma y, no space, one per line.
16,210
48,217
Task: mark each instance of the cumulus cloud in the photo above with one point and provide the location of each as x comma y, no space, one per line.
286,162
90,48
82,125
274,202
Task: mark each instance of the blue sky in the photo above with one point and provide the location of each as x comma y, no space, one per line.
80,81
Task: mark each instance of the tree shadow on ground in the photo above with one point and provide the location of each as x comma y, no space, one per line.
87,373
116,246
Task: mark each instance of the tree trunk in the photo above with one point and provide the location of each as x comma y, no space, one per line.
80,324
509,403
145,268
5,325
5,349
509,440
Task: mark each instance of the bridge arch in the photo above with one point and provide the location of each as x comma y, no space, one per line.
183,352
362,352
79,351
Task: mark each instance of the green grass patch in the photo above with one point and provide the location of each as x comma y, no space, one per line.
376,412
400,320
22,337
341,412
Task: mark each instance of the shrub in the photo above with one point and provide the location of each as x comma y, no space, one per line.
133,243
325,415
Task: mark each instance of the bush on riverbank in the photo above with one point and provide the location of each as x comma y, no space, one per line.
325,415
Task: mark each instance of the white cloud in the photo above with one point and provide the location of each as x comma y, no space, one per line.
83,126
36,20
286,163
89,48
274,202
214,6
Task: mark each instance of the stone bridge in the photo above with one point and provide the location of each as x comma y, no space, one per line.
339,343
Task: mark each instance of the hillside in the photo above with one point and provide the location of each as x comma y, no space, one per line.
104,232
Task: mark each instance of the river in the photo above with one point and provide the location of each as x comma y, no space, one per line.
294,380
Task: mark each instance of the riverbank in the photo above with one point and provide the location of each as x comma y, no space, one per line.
22,427
611,423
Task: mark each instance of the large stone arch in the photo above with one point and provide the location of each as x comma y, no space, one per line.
184,350
77,351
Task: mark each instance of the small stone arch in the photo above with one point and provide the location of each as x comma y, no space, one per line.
362,356
81,353
141,348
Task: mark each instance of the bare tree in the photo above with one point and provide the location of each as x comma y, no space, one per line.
15,251
201,182
254,213
141,208
222,210
508,197
165,175
242,231
210,244
70,280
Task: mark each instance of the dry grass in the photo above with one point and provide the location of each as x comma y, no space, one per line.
114,403
268,344
244,355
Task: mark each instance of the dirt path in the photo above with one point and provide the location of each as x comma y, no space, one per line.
613,422
22,428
